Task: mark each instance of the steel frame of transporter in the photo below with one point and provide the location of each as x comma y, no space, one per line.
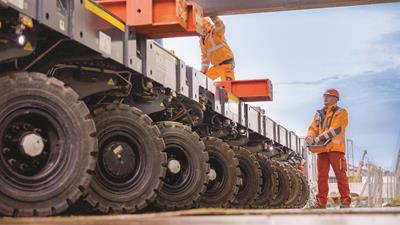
94,114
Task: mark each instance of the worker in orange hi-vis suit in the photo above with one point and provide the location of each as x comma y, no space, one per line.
215,50
328,130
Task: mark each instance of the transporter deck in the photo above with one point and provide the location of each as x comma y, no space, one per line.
224,216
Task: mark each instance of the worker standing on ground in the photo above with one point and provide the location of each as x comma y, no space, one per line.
328,130
215,50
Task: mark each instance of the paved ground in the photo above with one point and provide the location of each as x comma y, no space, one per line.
386,216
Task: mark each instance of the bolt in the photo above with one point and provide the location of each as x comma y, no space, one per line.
6,150
12,161
37,130
27,126
23,166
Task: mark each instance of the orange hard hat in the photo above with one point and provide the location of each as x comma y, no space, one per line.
332,92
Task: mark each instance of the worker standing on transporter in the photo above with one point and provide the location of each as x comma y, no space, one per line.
328,130
215,50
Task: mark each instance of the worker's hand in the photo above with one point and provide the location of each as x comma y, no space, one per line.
309,140
214,17
317,140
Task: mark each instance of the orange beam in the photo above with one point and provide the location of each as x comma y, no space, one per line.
249,90
158,18
195,13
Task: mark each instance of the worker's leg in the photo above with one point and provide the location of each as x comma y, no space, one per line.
339,166
323,173
229,73
224,71
214,72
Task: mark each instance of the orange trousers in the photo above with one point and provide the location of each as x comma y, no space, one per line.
338,162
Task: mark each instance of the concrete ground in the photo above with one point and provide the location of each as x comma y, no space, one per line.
376,216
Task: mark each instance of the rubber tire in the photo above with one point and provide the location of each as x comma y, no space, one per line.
296,187
270,182
56,193
253,178
175,133
305,194
224,196
137,196
284,186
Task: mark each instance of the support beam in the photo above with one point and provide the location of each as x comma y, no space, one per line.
249,90
220,7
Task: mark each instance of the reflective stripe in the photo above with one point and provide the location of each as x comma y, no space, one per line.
214,46
212,39
205,64
324,122
326,136
332,132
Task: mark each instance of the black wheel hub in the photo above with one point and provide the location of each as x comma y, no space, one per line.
119,159
119,163
26,142
175,182
216,185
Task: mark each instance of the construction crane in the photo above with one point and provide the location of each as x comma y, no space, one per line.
361,164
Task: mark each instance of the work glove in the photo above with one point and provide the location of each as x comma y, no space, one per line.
309,140
320,140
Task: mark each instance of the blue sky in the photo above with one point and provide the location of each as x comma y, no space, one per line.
355,49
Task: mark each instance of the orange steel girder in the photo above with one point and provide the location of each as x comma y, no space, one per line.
158,18
249,90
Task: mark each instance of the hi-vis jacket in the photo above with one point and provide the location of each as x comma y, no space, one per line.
329,128
214,48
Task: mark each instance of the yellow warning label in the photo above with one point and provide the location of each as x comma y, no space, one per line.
111,82
28,46
94,8
233,97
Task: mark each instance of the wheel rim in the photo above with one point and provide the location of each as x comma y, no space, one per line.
217,185
26,172
120,166
177,182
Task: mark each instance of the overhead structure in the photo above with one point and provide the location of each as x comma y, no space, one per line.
213,7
